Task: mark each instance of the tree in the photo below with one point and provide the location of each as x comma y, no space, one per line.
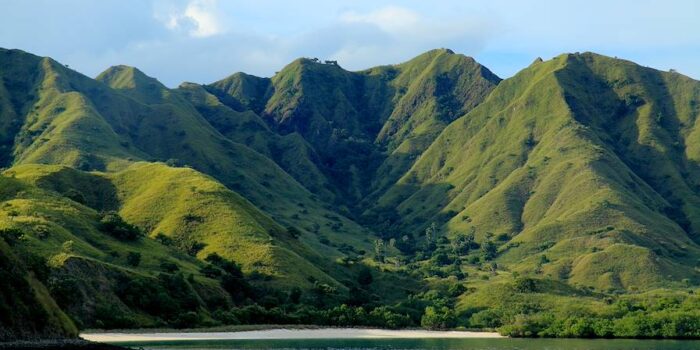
133,259
113,225
489,249
430,233
293,232
163,239
67,246
11,235
441,259
463,243
525,285
364,276
75,196
295,295
168,267
379,250
456,290
321,291
232,279
405,245
210,271
435,318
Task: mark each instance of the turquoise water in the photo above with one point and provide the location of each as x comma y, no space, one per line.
425,344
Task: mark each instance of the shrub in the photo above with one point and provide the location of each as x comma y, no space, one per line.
75,196
489,318
364,276
210,271
133,258
293,232
185,320
386,318
489,249
163,239
525,285
441,259
168,267
113,225
295,295
11,235
435,318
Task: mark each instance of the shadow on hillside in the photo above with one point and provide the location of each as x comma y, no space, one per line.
668,172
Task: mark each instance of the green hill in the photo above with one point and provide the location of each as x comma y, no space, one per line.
550,162
428,193
366,127
138,119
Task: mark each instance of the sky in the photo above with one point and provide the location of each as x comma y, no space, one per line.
206,40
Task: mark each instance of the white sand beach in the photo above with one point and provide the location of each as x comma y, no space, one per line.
323,333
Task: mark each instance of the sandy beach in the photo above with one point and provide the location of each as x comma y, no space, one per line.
323,333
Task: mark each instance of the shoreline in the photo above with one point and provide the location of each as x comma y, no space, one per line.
284,333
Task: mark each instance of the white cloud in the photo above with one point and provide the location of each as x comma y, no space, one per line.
198,19
391,19
391,34
205,40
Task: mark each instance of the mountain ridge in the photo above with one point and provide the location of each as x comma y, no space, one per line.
433,177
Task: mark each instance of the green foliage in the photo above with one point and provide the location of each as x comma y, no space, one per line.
169,267
11,235
113,224
229,274
525,285
26,309
293,232
438,318
364,276
666,324
133,259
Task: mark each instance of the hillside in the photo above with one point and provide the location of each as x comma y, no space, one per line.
364,128
428,193
131,122
27,310
558,162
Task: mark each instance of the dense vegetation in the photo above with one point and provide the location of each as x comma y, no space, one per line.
26,308
560,202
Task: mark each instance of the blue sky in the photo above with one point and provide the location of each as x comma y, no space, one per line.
206,40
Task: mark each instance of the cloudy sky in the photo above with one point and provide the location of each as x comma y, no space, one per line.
205,40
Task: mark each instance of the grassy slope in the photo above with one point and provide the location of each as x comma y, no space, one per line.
185,205
366,127
431,91
190,139
324,104
27,309
291,151
182,202
247,91
49,220
526,164
83,123
52,122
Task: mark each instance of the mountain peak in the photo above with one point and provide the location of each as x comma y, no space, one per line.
126,77
134,83
305,65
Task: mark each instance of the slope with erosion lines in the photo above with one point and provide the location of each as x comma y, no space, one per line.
533,163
